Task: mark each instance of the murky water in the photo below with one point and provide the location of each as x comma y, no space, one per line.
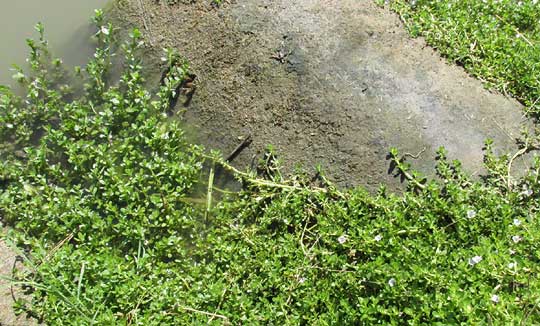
67,27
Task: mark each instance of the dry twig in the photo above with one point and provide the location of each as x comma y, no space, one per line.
146,27
211,314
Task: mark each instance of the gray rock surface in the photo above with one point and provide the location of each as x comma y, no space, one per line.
330,82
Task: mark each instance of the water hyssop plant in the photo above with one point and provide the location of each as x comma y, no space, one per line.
102,191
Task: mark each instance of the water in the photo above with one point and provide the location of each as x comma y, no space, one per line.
67,27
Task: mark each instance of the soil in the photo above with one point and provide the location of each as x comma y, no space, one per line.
7,316
329,82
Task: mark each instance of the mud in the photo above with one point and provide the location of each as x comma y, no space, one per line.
8,260
329,82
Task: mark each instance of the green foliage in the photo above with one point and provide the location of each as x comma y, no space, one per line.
496,41
102,191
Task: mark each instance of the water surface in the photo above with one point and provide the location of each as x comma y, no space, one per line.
67,27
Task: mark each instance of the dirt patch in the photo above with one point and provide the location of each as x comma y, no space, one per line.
330,82
7,316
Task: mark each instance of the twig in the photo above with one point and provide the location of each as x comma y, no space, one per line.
219,304
143,16
530,107
527,148
314,244
133,311
205,313
527,315
243,145
502,129
328,269
57,247
417,155
519,34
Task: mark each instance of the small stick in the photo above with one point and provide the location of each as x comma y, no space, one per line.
204,313
503,130
530,107
58,246
519,34
243,145
219,305
417,155
329,270
143,16
526,149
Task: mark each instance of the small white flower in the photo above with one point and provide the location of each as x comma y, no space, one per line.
512,265
104,30
9,125
516,238
471,213
302,280
495,298
512,251
517,222
392,282
475,260
342,239
527,192
378,237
